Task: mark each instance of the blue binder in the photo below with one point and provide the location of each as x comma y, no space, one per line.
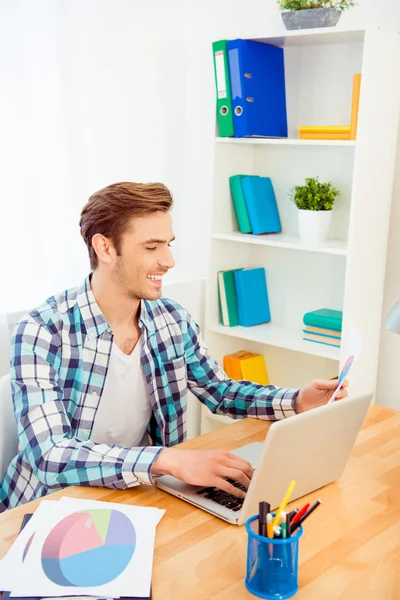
252,297
261,205
257,75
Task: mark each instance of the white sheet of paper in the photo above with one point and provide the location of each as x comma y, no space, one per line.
12,561
351,351
132,578
158,512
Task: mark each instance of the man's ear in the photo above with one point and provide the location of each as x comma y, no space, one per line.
104,248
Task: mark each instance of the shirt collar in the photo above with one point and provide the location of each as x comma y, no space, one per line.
95,321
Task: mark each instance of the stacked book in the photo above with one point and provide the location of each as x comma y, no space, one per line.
243,297
246,365
344,132
255,204
323,326
325,132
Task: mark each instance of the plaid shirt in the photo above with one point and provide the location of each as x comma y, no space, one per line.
60,356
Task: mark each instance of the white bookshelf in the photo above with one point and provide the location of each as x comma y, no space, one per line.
346,272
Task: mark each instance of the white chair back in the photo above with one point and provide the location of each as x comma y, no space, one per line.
8,426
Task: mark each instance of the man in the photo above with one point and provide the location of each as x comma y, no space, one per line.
100,373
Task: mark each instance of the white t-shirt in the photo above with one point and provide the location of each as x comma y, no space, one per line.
125,410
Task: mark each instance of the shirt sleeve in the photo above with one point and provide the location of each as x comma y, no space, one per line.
222,395
55,453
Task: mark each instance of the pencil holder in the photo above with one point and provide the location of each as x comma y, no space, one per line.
272,564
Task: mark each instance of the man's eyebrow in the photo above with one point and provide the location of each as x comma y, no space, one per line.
157,241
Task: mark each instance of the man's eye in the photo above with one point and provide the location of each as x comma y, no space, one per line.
152,248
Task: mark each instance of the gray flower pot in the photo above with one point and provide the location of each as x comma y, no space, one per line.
311,18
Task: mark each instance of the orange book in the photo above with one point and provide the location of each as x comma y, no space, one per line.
355,101
325,136
232,363
324,129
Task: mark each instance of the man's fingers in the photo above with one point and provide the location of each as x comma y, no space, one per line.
243,465
224,485
324,384
237,475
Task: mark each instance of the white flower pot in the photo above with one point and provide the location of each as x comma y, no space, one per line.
314,226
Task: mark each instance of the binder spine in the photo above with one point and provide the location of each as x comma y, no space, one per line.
223,89
237,91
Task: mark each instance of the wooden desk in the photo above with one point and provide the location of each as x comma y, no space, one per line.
350,549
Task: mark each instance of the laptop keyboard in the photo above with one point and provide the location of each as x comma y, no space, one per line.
224,498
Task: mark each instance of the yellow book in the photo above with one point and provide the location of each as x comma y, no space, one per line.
322,331
322,339
355,101
253,369
232,363
325,136
324,129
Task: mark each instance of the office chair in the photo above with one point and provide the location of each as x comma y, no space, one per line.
8,426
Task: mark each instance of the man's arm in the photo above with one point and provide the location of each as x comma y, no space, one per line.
45,434
223,395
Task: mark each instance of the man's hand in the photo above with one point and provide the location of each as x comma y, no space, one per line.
317,393
205,467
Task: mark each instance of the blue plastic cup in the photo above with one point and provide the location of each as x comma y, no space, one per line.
272,564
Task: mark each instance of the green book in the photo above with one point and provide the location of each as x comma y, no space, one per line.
324,317
227,298
223,89
239,202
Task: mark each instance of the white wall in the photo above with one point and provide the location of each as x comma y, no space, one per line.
92,93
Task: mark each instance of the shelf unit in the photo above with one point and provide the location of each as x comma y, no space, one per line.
347,271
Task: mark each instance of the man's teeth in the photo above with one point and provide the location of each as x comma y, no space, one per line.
154,277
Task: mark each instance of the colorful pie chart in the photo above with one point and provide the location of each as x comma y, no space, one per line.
89,548
28,545
346,368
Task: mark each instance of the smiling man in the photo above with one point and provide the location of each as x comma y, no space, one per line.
100,373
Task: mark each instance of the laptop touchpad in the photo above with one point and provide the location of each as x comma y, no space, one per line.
250,452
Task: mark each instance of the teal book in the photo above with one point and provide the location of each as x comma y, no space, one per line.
261,205
239,202
252,297
324,317
227,298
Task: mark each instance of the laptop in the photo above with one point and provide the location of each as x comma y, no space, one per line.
312,448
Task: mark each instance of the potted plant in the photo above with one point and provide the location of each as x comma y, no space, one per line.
314,201
308,14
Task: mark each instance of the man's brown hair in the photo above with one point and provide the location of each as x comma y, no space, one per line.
109,211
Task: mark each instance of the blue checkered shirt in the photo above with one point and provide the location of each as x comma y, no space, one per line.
60,356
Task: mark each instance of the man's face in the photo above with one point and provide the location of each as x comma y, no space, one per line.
145,256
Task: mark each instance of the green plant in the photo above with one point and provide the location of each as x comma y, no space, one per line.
314,195
304,4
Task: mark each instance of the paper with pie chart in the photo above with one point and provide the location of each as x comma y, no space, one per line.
89,548
352,350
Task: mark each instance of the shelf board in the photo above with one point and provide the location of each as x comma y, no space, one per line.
285,142
282,240
279,336
309,37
